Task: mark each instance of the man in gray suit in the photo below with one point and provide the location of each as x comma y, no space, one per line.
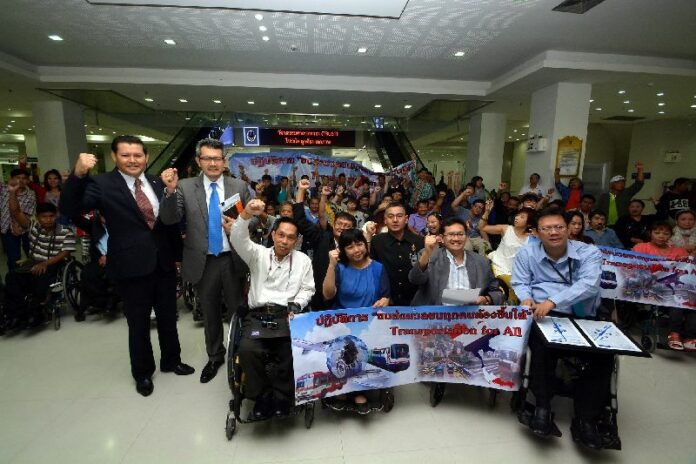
452,267
209,261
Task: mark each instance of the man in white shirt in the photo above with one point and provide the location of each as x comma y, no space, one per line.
281,283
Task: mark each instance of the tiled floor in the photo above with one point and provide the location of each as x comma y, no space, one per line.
67,397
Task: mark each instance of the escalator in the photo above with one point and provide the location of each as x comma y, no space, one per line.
394,148
180,150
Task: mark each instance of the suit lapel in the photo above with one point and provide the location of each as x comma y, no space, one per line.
200,194
227,182
471,271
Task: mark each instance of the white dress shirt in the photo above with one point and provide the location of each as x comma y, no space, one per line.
273,282
146,187
221,196
458,276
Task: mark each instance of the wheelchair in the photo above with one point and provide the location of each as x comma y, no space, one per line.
236,380
191,300
566,371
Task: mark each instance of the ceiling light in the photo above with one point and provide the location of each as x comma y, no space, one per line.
148,99
459,53
169,42
660,94
283,103
514,130
509,136
362,50
217,101
315,104
693,106
250,102
258,16
263,28
378,106
346,105
183,100
621,92
265,38
661,104
626,102
598,109
55,38
661,112
12,121
591,100
408,107
631,110
187,118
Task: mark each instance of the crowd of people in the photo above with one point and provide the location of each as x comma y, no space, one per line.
330,242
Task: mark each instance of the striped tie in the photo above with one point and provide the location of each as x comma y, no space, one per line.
144,204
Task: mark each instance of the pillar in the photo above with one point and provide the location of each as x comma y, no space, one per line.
486,147
60,133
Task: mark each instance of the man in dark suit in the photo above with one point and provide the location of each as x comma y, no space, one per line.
142,251
210,261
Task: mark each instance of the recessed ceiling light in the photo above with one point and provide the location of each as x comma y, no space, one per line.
183,100
621,92
378,106
265,38
408,107
169,42
661,112
509,136
693,106
217,101
258,16
148,99
631,110
660,94
362,50
346,105
591,100
661,104
514,130
250,102
459,53
55,38
315,104
187,118
12,121
263,28
283,103
626,102
598,109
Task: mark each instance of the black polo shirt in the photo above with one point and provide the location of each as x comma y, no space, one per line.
398,257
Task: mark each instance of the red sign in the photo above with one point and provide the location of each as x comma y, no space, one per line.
307,137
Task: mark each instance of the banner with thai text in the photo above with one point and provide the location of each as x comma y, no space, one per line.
342,351
647,279
283,164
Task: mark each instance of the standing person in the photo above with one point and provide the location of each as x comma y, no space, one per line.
674,200
614,203
599,233
209,261
142,251
559,277
397,250
14,236
417,222
633,227
51,186
684,233
423,189
570,194
281,284
534,186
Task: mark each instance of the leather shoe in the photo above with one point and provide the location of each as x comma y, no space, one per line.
180,369
144,387
585,432
210,371
541,422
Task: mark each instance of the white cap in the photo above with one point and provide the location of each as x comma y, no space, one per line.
616,179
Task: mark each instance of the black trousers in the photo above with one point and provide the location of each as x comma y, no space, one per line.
140,295
267,363
590,391
219,283
19,285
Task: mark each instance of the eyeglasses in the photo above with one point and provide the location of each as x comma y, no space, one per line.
212,159
557,228
455,234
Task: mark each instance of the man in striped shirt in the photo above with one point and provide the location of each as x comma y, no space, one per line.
49,245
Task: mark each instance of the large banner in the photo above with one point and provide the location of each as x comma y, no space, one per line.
341,351
279,164
648,279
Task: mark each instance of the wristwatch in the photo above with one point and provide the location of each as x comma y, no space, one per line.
294,308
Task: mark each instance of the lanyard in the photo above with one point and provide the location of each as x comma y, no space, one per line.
570,272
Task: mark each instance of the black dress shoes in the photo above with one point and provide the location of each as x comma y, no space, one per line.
541,422
144,387
210,371
585,432
179,369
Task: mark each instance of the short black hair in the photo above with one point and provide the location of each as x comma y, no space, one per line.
424,201
19,172
590,196
128,139
535,174
395,204
549,211
209,142
660,225
636,200
685,211
346,216
341,175
285,220
266,177
476,178
531,216
453,221
597,212
46,207
529,196
680,181
478,200
348,237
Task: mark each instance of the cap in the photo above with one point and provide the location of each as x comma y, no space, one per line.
616,179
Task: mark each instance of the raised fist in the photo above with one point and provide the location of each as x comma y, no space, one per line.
333,257
304,184
170,177
325,191
431,242
442,194
85,163
639,166
259,188
370,229
339,190
255,207
550,191
489,205
378,188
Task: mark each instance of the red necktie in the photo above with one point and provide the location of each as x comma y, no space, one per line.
144,204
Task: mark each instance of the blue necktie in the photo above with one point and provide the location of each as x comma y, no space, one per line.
214,222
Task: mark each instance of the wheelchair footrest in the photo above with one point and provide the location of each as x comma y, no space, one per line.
525,415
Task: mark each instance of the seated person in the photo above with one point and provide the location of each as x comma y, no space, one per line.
561,276
684,233
281,283
452,267
599,233
49,245
354,280
417,222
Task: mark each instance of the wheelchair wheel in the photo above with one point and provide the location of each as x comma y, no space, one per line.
437,391
189,295
230,425
55,317
71,283
309,415
648,343
388,401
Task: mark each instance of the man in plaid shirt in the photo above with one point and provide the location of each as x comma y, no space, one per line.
14,236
